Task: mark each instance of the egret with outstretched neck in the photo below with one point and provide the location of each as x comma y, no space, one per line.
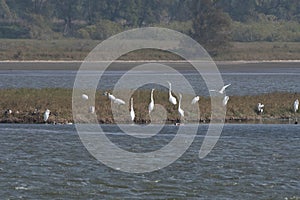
151,104
172,99
114,99
180,111
132,113
222,90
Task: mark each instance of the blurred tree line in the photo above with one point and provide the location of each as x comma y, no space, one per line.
211,22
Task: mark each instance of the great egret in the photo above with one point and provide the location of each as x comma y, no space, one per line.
114,99
172,99
132,114
195,100
85,97
119,101
110,96
222,89
225,100
46,115
180,111
151,104
296,105
260,107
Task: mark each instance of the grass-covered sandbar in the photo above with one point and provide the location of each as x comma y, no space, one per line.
29,105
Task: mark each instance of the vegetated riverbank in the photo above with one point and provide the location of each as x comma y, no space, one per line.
28,106
78,49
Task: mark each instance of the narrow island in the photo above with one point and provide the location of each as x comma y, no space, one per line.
28,105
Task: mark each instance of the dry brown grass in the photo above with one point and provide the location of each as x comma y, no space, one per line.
28,106
78,49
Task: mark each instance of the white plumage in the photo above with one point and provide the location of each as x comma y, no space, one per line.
151,104
222,90
114,99
119,101
180,111
84,96
195,100
172,99
296,105
46,115
132,114
260,107
225,100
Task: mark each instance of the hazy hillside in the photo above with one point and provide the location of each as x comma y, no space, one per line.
214,23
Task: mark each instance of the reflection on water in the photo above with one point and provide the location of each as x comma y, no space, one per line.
248,162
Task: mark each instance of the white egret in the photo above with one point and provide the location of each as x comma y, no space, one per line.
114,99
195,100
296,105
172,99
222,89
225,100
132,114
180,111
260,107
119,101
46,115
84,96
110,96
151,104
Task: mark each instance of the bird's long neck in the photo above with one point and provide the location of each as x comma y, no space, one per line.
170,88
131,104
179,103
151,96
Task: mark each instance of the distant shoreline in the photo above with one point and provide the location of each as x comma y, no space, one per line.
127,64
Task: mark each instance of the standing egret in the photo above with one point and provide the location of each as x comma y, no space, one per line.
180,111
260,107
84,96
222,89
225,100
46,115
296,105
132,114
151,104
172,99
195,100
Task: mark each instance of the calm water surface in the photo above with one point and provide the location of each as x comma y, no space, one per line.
244,82
249,162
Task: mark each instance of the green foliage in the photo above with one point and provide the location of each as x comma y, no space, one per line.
211,26
100,31
208,21
266,29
